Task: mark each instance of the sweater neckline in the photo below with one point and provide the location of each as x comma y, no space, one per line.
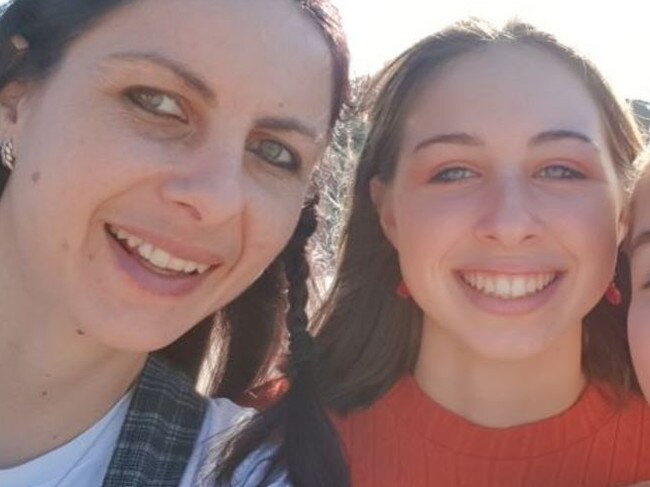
422,416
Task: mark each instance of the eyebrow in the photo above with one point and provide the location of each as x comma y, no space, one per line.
557,135
465,139
195,82
288,125
639,240
457,138
192,80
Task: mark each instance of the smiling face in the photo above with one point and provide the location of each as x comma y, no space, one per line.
162,167
639,313
505,206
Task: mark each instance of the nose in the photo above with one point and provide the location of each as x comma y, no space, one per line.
209,188
509,215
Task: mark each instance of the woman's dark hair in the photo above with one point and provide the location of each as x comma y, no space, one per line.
246,333
368,337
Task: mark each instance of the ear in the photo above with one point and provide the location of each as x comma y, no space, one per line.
381,196
623,224
12,97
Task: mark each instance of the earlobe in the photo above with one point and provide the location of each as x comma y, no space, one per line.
11,97
380,195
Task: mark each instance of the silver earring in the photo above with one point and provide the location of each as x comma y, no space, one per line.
7,155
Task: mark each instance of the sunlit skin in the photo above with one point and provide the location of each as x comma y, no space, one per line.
193,135
639,313
503,172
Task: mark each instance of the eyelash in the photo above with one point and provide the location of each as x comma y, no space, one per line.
458,173
567,172
260,148
453,175
142,97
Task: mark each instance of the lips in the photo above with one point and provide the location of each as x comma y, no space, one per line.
158,259
508,286
157,265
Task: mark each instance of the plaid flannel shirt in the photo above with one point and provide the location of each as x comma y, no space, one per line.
160,429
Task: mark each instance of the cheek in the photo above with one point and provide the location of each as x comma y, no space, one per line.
270,222
582,219
433,225
639,337
428,232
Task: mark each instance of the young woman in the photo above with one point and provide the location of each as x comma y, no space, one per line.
472,336
155,155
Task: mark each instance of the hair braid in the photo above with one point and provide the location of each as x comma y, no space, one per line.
297,274
297,429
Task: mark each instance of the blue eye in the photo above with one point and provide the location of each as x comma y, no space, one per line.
560,172
274,153
453,174
156,102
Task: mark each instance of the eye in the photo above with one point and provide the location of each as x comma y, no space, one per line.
274,153
156,102
558,171
453,174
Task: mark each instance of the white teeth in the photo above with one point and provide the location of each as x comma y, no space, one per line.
503,287
146,250
518,287
508,286
158,257
531,286
176,264
133,241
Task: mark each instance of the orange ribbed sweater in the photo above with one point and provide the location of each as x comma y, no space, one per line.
407,440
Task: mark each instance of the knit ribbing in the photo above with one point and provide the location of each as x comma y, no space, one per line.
406,439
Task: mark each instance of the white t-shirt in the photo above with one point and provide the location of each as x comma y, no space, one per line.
84,460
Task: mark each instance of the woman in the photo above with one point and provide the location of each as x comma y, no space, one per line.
472,336
637,251
156,155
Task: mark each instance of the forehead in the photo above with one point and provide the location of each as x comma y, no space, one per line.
505,90
267,51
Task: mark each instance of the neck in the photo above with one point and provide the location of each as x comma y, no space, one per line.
55,382
500,393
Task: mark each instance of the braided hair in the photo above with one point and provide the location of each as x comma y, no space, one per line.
288,442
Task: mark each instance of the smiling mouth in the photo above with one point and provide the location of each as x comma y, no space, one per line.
156,259
508,286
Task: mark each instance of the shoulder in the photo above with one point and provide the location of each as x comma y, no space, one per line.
253,472
221,421
221,417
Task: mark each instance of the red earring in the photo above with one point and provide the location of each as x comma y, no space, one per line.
613,295
402,290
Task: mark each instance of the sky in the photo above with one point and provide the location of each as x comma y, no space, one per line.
613,33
